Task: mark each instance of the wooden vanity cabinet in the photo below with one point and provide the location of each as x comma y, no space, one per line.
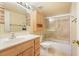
37,47
28,48
19,55
8,52
25,48
29,52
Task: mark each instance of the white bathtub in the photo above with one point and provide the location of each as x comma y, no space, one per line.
62,48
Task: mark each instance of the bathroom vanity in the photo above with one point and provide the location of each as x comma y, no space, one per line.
28,45
24,45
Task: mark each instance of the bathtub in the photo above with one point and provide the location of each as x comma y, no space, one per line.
60,48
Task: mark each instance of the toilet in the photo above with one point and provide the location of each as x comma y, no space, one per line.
46,45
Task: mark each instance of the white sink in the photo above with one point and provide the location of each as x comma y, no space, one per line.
26,36
17,39
7,42
4,40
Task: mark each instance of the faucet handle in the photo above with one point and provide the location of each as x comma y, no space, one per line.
13,35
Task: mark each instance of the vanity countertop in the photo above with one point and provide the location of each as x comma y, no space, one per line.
6,42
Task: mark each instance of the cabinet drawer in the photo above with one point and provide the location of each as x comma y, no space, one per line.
20,54
28,44
29,52
37,46
37,40
8,52
37,52
37,43
23,46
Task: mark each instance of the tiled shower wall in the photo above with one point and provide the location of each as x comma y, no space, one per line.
61,27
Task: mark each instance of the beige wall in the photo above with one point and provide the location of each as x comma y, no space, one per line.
73,27
73,24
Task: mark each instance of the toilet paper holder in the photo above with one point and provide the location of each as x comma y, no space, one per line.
74,19
76,42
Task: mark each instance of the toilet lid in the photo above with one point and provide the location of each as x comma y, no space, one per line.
46,44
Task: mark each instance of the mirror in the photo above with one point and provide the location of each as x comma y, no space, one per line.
16,18
2,19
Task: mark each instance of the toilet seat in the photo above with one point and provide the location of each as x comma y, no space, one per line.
46,44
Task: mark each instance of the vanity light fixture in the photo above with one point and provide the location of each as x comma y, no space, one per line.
25,4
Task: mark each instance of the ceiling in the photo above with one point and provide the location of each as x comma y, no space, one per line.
48,8
14,7
52,8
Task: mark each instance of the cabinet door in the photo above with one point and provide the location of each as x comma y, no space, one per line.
20,54
37,43
29,52
37,47
37,52
9,52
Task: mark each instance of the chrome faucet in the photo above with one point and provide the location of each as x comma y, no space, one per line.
12,36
